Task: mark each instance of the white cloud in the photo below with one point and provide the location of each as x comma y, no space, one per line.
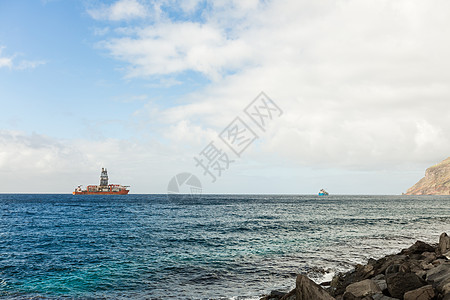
29,64
12,63
364,84
176,47
120,10
5,61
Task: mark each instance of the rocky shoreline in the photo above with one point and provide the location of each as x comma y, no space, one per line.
420,272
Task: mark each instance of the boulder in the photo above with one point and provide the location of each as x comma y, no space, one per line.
363,288
383,263
444,243
439,274
306,289
400,283
381,284
392,269
423,293
418,248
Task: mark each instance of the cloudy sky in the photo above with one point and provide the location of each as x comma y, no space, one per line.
142,87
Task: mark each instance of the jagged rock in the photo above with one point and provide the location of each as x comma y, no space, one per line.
363,288
382,264
423,293
376,268
400,283
435,182
418,248
306,289
444,243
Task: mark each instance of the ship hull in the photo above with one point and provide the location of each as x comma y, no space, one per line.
124,192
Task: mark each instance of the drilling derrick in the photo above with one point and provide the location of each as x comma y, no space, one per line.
104,177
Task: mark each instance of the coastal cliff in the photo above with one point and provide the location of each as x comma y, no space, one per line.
435,182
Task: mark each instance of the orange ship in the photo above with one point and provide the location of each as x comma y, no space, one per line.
104,188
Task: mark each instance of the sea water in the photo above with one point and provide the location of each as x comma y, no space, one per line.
212,247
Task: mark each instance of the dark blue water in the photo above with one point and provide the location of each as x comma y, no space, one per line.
216,247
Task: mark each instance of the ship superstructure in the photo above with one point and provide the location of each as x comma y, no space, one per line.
104,188
322,192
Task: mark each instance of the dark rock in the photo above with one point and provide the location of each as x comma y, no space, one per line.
382,264
274,295
400,283
290,296
405,267
418,248
444,243
377,267
423,293
363,288
392,269
412,266
306,289
349,296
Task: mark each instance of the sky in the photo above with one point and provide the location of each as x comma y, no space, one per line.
146,87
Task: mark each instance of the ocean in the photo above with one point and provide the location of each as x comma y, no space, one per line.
212,247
